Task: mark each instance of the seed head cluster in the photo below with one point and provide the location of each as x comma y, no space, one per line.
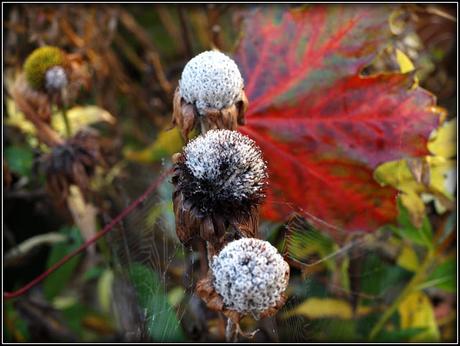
250,275
223,170
211,80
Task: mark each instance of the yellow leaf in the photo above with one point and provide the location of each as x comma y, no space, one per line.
104,290
416,311
16,118
414,203
443,175
175,295
408,259
167,143
434,175
398,175
405,64
80,117
443,140
314,308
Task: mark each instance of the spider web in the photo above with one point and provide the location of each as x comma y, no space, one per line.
151,288
153,293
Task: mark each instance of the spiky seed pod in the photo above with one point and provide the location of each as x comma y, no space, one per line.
73,162
248,277
210,93
219,181
39,62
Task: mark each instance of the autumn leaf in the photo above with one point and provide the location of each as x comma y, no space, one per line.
417,311
326,308
323,128
428,177
167,143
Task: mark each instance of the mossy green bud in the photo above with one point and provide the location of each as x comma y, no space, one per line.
39,62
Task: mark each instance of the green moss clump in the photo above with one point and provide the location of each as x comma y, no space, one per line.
39,61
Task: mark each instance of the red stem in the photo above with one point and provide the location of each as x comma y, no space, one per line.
97,236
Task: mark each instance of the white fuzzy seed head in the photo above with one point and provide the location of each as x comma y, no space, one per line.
224,169
250,275
55,78
211,80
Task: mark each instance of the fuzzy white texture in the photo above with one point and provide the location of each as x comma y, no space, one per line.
250,275
211,80
55,78
229,161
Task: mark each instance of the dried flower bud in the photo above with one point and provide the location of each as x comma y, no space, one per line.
220,181
39,62
73,162
210,91
250,276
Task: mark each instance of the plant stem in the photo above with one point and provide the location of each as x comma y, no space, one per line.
68,130
230,331
413,283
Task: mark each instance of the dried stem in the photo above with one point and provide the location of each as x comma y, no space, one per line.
231,334
185,33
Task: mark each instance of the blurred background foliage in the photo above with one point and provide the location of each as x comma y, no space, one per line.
397,284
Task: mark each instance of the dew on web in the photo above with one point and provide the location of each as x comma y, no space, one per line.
153,271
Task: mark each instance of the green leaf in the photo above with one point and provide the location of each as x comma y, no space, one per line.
399,335
161,320
74,315
443,277
378,277
421,236
19,159
56,282
338,330
15,327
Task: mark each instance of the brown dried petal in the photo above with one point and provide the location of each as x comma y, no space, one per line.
183,226
205,290
242,108
184,115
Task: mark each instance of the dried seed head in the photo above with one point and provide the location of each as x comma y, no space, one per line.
211,80
250,276
73,162
219,184
39,62
223,169
55,78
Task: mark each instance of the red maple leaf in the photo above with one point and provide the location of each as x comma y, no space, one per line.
323,128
